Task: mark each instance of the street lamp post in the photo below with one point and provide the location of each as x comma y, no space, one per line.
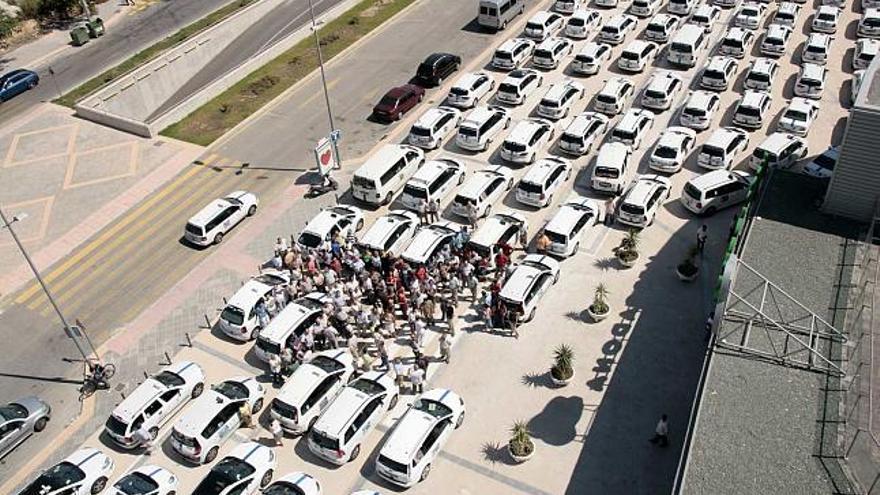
333,132
70,331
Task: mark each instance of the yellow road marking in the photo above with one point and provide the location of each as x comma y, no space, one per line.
34,288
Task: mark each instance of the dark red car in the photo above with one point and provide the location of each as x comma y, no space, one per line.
398,101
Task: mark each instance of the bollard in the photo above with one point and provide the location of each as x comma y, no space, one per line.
189,341
225,302
146,375
207,321
167,358
122,394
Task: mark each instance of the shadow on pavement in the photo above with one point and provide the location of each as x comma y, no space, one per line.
556,424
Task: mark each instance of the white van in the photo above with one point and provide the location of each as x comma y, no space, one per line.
418,436
527,284
482,189
542,180
433,126
212,418
781,150
238,320
390,232
310,390
609,172
337,435
212,222
499,228
428,241
434,180
290,322
480,127
568,225
376,181
513,53
154,402
686,45
712,191
495,14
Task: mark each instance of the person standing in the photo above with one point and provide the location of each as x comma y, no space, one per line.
701,237
661,432
417,380
287,360
445,347
277,432
523,237
400,371
472,214
542,243
275,369
448,311
144,439
433,209
383,354
609,212
244,414
423,212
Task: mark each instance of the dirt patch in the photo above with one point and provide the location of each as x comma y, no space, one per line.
24,32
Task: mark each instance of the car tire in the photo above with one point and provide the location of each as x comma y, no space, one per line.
533,157
354,453
252,210
218,239
549,200
312,423
257,406
709,211
32,84
255,333
40,425
172,492
267,478
460,420
556,278
425,473
197,390
504,25
510,184
439,144
212,454
154,432
577,247
99,485
394,401
360,225
461,179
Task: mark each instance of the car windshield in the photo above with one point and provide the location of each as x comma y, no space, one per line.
699,19
694,111
606,172
309,239
415,192
759,76
866,56
632,209
773,41
420,131
169,379
655,94
13,411
467,131
432,407
55,478
826,16
283,488
576,22
232,315
656,28
514,147
750,12
388,101
194,229
732,43
809,82
368,387
270,279
508,88
815,48
624,135
825,162
136,484
232,390
748,111
712,151
630,56
543,53
534,26
584,59
327,364
571,139
226,473
458,91
680,48
713,74
363,182
606,98
268,346
872,22
530,188
549,103
796,115
665,152
610,30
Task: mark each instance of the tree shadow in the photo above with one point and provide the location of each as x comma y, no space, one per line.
495,452
556,423
537,380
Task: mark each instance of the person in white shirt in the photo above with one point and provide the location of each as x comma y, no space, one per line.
417,380
661,432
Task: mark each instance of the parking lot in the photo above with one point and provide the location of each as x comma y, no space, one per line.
639,363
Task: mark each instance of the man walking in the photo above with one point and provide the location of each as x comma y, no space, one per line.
701,237
277,432
661,432
609,212
417,380
144,439
445,348
433,209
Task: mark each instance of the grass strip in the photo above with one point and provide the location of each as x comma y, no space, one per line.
148,53
225,111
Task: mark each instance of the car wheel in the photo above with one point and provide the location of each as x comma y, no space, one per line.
439,144
460,420
355,453
312,423
197,390
556,278
549,200
32,84
565,113
218,238
172,492
40,425
709,211
255,333
154,432
257,406
531,315
577,247
212,454
252,210
504,25
266,479
99,485
387,199
360,224
510,184
532,158
425,473
461,179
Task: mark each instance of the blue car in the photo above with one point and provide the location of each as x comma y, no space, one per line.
16,82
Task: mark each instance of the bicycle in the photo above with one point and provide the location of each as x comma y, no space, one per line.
95,378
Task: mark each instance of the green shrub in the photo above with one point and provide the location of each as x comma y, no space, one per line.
7,24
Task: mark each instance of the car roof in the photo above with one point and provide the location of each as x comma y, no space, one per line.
432,115
713,178
719,62
673,136
583,13
812,71
144,393
541,16
700,99
612,155
558,90
788,7
867,45
833,9
753,98
632,117
777,141
286,321
478,180
431,169
342,410
425,239
512,43
542,168
613,86
489,232
550,42
736,33
516,75
468,79
661,80
210,211
306,376
778,31
803,104
617,19
592,48
819,39
519,282
436,57
638,46
407,436
582,121
764,64
643,187
568,214
662,18
85,455
245,297
479,115
321,223
706,9
378,162
524,130
722,136
384,225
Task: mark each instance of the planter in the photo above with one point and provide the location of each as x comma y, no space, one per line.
559,382
687,278
597,317
521,458
629,263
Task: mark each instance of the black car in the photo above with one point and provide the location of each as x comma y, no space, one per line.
436,68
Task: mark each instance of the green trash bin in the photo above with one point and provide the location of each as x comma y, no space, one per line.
96,27
79,35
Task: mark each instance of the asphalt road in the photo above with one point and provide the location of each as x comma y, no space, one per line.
122,40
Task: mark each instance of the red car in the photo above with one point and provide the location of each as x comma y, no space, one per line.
398,101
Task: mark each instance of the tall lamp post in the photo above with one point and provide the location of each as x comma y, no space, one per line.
334,133
68,329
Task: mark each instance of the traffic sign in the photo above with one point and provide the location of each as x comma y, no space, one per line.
324,156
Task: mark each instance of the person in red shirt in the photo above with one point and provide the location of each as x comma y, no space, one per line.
421,273
501,261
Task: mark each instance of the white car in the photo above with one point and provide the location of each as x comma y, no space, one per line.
481,190
527,284
762,72
615,30
527,137
661,27
470,89
798,117
672,149
238,320
705,16
750,15
542,180
787,14
752,109
869,25
558,100
810,82
609,172
390,232
244,471
640,203
342,220
543,24
822,167
512,53
726,4
565,230
681,7
719,73
636,56
518,85
582,23
826,19
866,50
699,109
504,227
432,181
146,480
433,127
583,132
720,150
296,483
632,127
661,90
482,125
428,241
736,42
644,8
856,85
337,435
215,220
589,60
775,40
418,437
566,6
614,96
84,472
817,48
550,52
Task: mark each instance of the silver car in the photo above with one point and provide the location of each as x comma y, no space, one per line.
21,419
